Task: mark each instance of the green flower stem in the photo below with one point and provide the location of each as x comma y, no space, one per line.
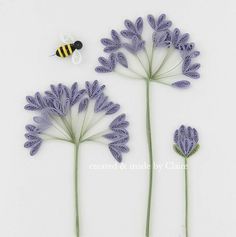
149,63
91,124
167,56
82,132
70,130
66,127
151,60
93,137
58,126
134,72
149,139
162,82
76,151
158,78
170,70
50,137
186,195
141,63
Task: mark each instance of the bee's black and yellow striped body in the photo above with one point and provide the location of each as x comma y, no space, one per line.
67,49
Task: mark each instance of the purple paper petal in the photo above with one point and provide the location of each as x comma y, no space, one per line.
102,69
113,109
139,25
161,18
83,105
104,62
122,59
164,26
183,39
193,67
107,42
181,84
175,36
127,34
35,148
116,154
151,21
192,74
111,49
112,60
130,26
186,64
115,36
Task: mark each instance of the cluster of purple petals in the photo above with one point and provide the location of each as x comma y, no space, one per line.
189,69
58,101
186,139
162,37
118,136
33,140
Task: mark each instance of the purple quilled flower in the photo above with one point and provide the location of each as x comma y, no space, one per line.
186,140
55,112
131,41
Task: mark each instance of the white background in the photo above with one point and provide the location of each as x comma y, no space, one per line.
36,195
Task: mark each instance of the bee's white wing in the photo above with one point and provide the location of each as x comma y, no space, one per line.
76,57
67,39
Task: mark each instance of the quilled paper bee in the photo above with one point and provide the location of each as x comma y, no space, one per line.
69,48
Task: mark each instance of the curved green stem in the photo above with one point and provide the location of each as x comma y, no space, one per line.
170,70
51,137
162,82
76,151
186,196
93,137
58,127
140,76
149,139
91,124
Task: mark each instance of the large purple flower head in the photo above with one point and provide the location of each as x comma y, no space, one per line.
186,141
71,114
130,43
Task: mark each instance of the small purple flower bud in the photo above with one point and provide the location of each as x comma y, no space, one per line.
186,140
